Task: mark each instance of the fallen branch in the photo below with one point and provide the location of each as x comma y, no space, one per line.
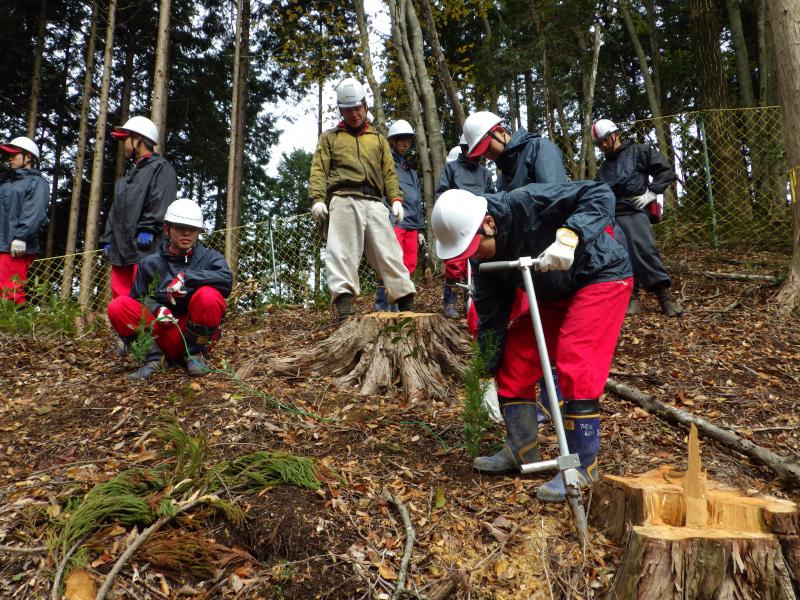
783,467
23,549
743,277
410,537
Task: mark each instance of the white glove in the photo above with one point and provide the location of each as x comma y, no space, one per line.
641,201
165,315
17,248
319,211
397,210
559,255
177,288
489,400
421,238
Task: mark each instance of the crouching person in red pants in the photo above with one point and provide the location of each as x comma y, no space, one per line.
188,303
582,283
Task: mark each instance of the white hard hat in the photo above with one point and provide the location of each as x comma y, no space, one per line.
456,217
476,128
141,125
184,212
454,153
400,127
602,128
21,143
350,93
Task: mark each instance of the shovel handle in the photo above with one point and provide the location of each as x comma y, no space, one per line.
504,265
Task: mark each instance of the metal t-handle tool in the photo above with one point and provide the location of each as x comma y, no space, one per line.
566,463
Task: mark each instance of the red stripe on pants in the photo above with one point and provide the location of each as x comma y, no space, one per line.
581,333
122,279
206,307
13,275
455,270
407,238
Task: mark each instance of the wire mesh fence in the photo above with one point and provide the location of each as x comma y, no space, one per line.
732,184
733,189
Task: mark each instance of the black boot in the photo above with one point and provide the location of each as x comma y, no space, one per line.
634,306
668,306
343,306
153,363
450,310
123,345
521,446
406,303
198,337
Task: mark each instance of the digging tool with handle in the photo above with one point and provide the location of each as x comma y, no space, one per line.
565,462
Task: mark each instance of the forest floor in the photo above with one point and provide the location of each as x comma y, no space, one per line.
69,419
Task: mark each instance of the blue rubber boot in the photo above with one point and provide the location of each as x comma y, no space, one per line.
582,426
450,310
543,403
521,446
381,304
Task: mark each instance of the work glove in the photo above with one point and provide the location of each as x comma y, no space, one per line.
17,248
642,201
177,288
144,239
559,255
421,239
397,210
490,400
165,315
106,249
319,211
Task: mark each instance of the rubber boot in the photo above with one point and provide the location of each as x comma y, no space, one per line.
521,446
582,427
198,337
381,305
343,306
668,306
153,363
394,308
543,403
406,303
634,306
450,310
123,345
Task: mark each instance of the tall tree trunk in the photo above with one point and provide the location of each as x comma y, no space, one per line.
742,57
546,83
442,69
366,56
433,126
655,50
589,72
402,50
125,101
729,178
161,75
80,157
36,76
785,19
236,150
566,138
95,189
530,108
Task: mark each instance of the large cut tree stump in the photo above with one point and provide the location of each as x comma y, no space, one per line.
420,351
688,538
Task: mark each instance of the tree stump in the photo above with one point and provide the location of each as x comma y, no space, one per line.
420,351
741,547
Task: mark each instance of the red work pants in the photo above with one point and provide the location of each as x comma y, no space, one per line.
13,275
407,238
122,279
206,308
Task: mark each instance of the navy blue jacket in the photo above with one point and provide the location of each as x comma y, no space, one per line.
23,209
203,267
413,209
628,171
141,198
527,220
464,174
529,158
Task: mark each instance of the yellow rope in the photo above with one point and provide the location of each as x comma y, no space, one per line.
793,181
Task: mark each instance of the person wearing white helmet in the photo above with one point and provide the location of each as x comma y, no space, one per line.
583,281
351,172
136,216
410,231
185,312
460,173
637,174
23,210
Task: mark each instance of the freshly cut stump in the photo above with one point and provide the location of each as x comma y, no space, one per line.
421,351
748,547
